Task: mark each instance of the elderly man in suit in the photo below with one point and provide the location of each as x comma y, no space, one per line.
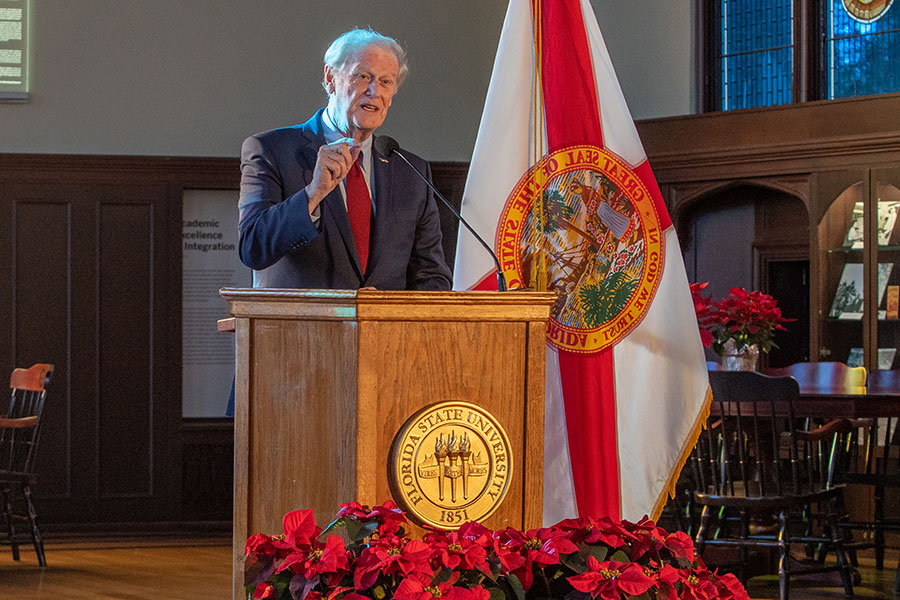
320,208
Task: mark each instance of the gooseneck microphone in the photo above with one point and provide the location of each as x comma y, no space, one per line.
386,146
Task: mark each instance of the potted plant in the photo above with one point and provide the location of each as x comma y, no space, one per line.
739,326
366,554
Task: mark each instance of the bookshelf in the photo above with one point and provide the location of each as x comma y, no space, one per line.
856,266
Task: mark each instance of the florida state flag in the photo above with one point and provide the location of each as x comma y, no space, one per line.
560,180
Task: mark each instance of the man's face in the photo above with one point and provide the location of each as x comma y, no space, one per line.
360,94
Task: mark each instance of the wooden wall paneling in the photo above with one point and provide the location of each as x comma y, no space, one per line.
91,291
124,429
450,179
188,172
41,315
136,468
207,479
167,352
8,281
83,348
781,219
710,224
783,140
681,197
93,254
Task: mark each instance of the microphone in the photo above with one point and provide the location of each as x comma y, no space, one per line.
386,146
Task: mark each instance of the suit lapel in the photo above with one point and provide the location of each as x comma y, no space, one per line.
383,171
333,211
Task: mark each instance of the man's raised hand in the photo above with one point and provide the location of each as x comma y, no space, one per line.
333,162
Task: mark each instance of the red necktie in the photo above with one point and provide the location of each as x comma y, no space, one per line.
359,209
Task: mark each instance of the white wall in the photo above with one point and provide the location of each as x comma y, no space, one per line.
193,78
651,43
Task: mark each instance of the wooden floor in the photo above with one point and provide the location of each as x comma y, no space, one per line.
120,570
873,583
201,569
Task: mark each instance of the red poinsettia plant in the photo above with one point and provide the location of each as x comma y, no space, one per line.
366,554
747,318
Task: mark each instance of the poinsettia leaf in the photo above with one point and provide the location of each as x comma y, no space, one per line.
496,567
365,531
358,531
300,586
497,593
352,527
282,588
516,586
598,552
575,562
443,575
576,595
257,570
333,525
468,578
620,556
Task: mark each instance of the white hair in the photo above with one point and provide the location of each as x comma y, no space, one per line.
349,43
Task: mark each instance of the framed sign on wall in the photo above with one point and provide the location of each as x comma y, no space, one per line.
14,50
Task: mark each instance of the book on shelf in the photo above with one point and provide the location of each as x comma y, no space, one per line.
885,358
893,302
848,298
887,217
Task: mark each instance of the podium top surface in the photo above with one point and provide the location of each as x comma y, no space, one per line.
387,305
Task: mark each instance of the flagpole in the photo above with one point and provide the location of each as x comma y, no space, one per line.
539,270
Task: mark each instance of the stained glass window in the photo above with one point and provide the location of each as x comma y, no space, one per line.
862,52
755,46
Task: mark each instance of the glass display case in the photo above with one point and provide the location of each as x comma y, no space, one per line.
856,267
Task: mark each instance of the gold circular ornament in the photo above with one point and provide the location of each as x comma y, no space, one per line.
866,11
451,462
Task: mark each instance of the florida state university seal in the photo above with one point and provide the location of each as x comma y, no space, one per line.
587,218
450,463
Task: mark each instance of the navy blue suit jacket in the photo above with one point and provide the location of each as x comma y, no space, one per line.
279,240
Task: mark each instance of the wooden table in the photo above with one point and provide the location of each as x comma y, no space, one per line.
853,403
857,402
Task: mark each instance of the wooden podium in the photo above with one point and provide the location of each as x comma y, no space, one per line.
326,378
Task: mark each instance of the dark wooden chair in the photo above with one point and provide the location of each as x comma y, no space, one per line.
762,482
20,432
832,376
869,456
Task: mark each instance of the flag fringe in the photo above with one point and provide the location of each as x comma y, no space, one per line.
668,490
